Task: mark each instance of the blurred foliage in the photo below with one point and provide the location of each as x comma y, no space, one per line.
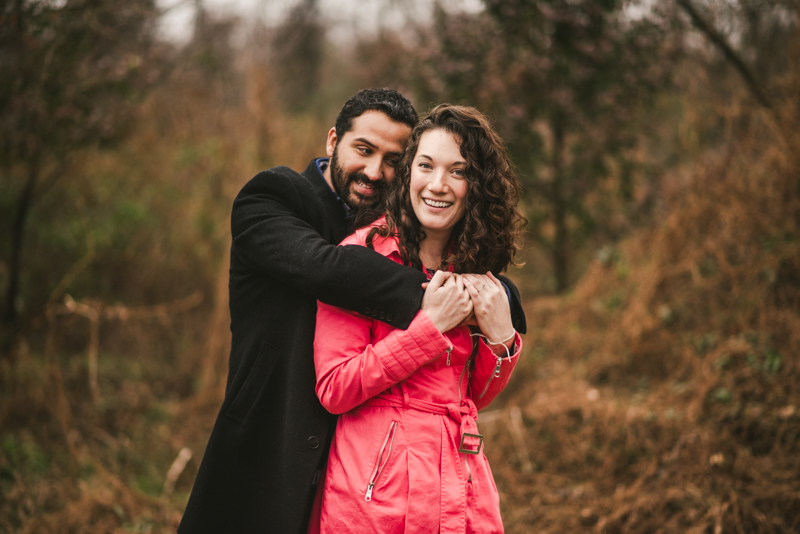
569,85
662,279
72,75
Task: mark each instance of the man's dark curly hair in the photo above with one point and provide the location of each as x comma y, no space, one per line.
490,234
393,104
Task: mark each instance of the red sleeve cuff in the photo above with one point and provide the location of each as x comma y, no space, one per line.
408,350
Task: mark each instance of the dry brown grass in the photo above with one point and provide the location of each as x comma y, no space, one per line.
659,396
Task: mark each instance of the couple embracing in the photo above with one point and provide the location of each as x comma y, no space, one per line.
357,371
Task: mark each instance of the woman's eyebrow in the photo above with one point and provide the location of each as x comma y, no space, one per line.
458,162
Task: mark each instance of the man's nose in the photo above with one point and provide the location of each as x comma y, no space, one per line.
374,170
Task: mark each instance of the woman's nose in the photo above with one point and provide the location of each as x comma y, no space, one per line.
437,183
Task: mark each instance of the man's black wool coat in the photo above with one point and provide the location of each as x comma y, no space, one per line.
260,468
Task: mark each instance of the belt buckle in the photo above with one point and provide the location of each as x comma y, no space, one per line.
470,451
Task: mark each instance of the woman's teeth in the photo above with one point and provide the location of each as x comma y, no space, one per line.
437,203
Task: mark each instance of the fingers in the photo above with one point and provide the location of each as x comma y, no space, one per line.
473,292
494,279
438,280
459,279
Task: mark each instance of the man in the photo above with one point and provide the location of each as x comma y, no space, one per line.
268,446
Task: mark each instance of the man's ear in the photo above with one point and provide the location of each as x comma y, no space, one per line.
331,143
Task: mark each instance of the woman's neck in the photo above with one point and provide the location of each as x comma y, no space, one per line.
431,249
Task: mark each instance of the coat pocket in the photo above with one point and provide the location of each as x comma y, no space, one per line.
257,378
383,458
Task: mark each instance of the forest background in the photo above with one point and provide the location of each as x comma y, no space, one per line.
659,149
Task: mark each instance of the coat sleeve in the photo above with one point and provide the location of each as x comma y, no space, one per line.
351,370
273,237
484,384
515,301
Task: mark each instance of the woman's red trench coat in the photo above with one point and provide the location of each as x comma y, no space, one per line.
406,406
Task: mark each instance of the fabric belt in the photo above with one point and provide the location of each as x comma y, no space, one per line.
465,415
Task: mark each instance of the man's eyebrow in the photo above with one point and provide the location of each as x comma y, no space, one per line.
374,146
366,142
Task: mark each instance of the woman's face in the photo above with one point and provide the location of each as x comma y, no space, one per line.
438,186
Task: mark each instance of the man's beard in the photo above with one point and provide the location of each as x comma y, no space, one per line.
342,182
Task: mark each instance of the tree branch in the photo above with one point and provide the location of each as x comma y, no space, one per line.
730,54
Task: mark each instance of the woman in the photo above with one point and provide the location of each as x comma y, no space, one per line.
407,455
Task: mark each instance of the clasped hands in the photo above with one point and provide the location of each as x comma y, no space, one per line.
452,299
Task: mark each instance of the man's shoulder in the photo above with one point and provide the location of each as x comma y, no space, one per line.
275,178
280,184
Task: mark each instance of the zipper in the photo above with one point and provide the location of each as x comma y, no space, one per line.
376,472
449,352
461,378
495,375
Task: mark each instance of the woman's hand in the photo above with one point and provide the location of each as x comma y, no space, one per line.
446,301
492,311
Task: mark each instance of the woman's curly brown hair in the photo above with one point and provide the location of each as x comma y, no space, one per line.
490,234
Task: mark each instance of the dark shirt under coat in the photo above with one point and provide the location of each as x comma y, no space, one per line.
260,468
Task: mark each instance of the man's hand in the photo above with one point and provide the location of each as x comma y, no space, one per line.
446,301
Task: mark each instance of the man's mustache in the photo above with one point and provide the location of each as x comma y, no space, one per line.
361,177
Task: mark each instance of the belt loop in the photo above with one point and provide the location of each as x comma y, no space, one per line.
404,388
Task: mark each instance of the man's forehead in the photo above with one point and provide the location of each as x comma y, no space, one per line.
376,128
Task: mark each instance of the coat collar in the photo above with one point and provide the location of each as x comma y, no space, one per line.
334,208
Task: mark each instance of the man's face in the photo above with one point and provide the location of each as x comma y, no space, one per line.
364,159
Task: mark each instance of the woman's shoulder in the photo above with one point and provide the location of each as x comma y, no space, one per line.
383,245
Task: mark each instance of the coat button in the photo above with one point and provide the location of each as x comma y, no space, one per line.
382,315
389,317
367,310
313,442
375,313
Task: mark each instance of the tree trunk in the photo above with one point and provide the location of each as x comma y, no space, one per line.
560,247
9,310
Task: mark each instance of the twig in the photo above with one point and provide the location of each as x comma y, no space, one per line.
94,311
92,314
518,431
730,54
176,469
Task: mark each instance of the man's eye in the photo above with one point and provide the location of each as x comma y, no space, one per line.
365,151
392,163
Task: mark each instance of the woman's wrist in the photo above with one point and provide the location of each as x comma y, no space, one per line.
501,347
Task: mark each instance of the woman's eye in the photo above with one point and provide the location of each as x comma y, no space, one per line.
458,172
424,165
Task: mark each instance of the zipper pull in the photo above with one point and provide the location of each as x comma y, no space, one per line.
449,351
497,367
368,496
